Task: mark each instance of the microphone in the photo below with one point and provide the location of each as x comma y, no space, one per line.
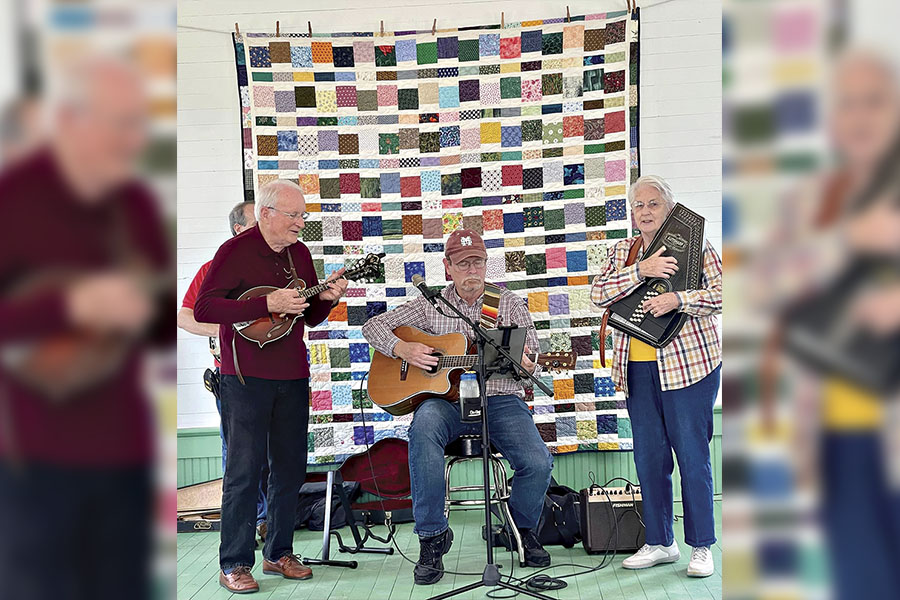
419,282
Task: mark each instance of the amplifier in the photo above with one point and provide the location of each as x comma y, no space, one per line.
602,510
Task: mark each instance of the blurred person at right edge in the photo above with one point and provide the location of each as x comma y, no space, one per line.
848,214
84,266
670,391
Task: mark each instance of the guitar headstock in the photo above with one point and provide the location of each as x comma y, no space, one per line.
557,361
368,267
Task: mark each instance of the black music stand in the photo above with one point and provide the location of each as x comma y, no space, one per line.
504,363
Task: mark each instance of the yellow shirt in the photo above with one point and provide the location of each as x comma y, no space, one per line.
638,351
849,407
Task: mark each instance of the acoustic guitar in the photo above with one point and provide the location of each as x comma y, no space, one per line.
398,387
274,327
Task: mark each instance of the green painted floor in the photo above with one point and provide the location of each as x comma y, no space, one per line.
380,577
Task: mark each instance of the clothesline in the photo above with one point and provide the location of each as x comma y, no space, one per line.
229,32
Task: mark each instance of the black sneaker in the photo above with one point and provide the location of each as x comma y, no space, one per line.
535,555
430,567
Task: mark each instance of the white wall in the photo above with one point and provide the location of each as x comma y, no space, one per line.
681,113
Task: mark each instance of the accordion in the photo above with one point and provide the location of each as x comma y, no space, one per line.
682,233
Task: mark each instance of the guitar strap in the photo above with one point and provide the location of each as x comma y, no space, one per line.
490,307
632,258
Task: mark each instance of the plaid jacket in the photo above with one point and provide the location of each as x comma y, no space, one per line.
696,350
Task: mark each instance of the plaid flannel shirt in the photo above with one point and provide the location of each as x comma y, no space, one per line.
419,313
696,351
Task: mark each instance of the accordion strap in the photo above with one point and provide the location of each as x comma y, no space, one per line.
632,258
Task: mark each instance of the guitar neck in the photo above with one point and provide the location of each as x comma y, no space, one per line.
457,362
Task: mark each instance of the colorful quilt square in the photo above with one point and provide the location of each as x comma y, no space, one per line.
552,43
532,41
343,56
448,47
512,175
322,53
469,90
490,133
489,44
406,50
468,50
510,47
426,53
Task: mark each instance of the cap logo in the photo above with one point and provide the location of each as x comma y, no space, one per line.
466,241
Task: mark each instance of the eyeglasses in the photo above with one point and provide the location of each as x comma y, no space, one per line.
653,204
475,262
293,215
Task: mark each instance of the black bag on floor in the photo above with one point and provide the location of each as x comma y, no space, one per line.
560,522
311,506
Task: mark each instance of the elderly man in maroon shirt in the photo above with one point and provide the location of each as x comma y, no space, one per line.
84,243
264,391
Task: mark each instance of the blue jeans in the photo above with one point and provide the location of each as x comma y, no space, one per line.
679,420
261,503
861,514
252,413
436,423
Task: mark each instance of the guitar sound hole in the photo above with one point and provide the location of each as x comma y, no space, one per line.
434,369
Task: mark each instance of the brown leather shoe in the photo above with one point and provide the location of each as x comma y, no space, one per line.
239,581
288,566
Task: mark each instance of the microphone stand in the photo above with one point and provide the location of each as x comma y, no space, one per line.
491,575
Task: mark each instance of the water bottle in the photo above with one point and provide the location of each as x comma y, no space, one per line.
469,398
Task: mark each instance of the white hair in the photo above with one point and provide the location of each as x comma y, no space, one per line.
657,183
268,194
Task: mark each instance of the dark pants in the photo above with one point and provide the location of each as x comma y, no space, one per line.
75,533
261,410
261,501
861,514
436,423
679,420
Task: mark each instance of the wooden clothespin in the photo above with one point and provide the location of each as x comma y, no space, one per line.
237,29
382,28
309,25
568,17
277,28
502,22
434,27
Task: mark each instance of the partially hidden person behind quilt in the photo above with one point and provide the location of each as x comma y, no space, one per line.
670,391
436,422
264,387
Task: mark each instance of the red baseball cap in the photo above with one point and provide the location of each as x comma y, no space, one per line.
464,243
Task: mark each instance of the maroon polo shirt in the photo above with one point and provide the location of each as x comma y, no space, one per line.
243,262
48,230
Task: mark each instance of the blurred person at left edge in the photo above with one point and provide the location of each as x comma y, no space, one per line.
84,266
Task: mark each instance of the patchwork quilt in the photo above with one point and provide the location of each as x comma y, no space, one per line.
526,133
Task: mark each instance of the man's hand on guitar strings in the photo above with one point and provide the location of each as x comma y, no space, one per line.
336,287
416,354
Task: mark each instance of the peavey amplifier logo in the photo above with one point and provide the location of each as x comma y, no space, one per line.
675,242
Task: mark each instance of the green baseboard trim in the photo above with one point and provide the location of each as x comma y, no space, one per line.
200,459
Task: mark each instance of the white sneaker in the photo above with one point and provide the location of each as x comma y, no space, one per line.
701,564
649,556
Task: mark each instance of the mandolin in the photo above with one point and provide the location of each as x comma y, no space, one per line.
398,387
274,327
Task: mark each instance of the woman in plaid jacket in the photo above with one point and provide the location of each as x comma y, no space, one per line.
670,391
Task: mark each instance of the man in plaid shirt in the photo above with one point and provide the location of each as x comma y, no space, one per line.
437,422
670,391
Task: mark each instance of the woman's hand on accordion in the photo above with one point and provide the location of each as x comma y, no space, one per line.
662,304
